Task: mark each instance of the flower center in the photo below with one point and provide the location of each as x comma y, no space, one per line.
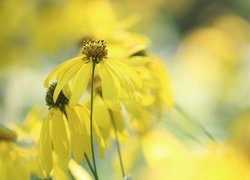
6,134
95,50
61,100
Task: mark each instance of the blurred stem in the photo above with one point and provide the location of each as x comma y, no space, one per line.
91,119
117,145
183,113
176,126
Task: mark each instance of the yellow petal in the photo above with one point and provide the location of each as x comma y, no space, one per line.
119,120
62,67
81,83
98,135
101,113
60,168
78,172
60,138
66,77
124,80
123,67
110,86
67,91
83,115
45,149
77,134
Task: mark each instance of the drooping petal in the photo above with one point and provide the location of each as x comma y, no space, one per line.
101,113
65,78
61,68
60,167
110,86
67,91
98,135
81,83
126,69
124,79
60,136
83,116
119,126
77,134
78,171
45,148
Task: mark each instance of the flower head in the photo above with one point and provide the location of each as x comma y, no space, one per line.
61,101
95,50
118,81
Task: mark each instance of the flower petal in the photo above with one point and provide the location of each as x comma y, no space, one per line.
78,171
60,136
81,85
65,78
83,115
124,79
77,134
45,148
110,86
101,113
59,69
130,72
98,135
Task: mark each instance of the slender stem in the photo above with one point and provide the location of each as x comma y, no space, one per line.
117,145
176,126
181,111
91,118
90,166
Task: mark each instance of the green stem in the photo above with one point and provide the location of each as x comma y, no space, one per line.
118,145
91,118
90,166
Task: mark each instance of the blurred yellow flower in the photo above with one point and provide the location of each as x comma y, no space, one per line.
160,147
240,133
215,163
155,95
12,164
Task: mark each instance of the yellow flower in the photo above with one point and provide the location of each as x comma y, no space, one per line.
155,95
12,164
156,84
117,79
30,129
65,129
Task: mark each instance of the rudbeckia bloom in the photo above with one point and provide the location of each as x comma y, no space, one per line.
154,97
65,129
12,163
117,79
